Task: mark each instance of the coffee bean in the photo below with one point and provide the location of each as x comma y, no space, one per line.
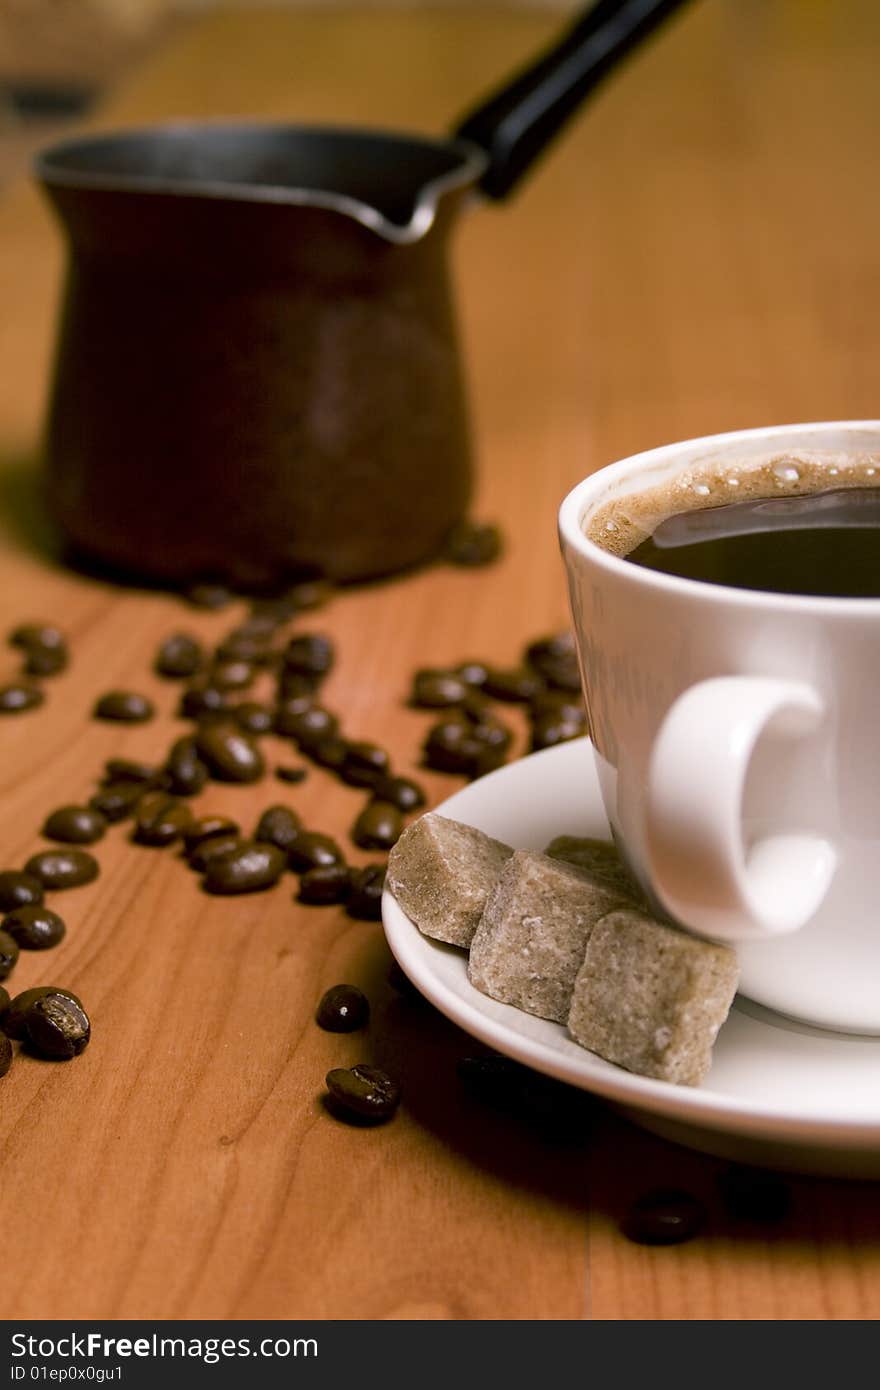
5,1054
555,658
291,774
437,689
17,697
311,850
231,754
451,747
245,649
324,886
363,1093
125,707
161,820
205,828
292,685
401,792
548,732
45,661
557,704
201,698
34,928
472,543
487,760
247,869
329,752
62,868
8,954
476,708
289,712
343,1009
253,718
57,1027
13,1019
752,1194
379,826
365,899
261,623
364,764
212,596
232,674
473,673
280,826
18,889
313,725
186,773
517,686
214,847
309,655
118,800
75,825
664,1217
180,655
38,636
124,770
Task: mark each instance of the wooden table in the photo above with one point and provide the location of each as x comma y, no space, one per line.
700,252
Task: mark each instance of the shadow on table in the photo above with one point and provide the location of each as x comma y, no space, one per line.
575,1151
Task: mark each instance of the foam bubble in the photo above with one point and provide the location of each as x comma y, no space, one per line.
787,473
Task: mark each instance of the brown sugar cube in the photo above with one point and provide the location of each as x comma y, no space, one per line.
441,873
530,942
600,857
651,998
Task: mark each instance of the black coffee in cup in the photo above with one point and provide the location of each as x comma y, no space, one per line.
786,525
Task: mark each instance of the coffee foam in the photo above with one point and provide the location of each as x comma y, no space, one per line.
620,523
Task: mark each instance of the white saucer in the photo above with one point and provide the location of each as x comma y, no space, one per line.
779,1094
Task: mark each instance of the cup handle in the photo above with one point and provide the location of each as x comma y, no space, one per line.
700,867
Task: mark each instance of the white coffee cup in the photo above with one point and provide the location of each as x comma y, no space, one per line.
737,736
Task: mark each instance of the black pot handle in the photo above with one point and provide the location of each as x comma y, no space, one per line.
517,122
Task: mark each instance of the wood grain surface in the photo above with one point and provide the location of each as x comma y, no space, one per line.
699,252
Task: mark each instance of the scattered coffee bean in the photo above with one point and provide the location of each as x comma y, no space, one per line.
5,1054
205,828
329,752
555,659
231,754
557,704
289,712
280,826
517,686
247,869
437,689
232,674
18,889
14,1016
401,792
324,886
473,543
312,726
118,800
124,770
292,685
180,655
75,825
17,697
363,1093
212,596
312,594
214,847
664,1217
343,1009
8,954
57,1027
253,718
548,731
202,698
364,764
125,707
62,868
34,928
161,820
312,850
45,661
451,747
38,636
186,774
379,826
291,774
309,655
365,900
753,1194
473,673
